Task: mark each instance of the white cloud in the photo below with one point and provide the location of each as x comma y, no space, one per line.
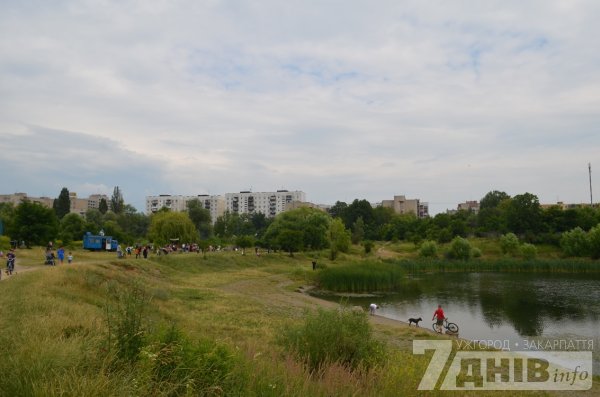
441,100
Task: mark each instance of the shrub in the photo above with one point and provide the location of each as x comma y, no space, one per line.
428,249
509,243
4,243
368,245
460,248
575,242
594,241
476,252
333,336
529,251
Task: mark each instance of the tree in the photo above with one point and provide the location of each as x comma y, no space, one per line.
116,201
492,199
302,228
62,204
338,209
233,224
523,214
7,217
200,217
491,217
339,238
165,226
358,209
34,223
244,242
103,206
72,227
358,231
134,225
94,221
290,240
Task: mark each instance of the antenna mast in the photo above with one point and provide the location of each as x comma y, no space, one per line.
590,172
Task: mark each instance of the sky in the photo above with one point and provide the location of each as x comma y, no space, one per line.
438,100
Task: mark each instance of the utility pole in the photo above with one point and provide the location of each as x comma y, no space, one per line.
590,172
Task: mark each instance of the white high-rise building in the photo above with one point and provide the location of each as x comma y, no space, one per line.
268,203
178,203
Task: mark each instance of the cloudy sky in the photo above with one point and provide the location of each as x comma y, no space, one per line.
438,100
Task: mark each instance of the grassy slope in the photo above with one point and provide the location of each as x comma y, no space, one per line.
52,324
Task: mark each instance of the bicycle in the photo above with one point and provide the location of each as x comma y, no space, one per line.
451,327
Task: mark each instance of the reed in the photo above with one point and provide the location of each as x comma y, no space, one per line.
366,276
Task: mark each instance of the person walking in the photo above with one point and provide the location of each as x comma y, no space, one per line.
60,253
10,261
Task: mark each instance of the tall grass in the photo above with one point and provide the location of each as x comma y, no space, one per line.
498,265
366,276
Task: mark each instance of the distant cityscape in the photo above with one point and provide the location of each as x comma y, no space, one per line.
247,202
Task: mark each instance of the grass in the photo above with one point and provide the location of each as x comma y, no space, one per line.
54,332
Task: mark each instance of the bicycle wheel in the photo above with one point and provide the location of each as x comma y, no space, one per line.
452,328
435,328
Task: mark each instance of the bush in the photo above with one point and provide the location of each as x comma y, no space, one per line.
4,243
460,248
333,336
575,242
529,251
368,245
509,243
428,249
594,241
476,252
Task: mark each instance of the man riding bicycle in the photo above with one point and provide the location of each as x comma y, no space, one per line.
439,314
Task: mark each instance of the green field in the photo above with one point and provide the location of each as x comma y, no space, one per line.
204,327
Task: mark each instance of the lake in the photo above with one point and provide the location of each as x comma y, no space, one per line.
518,307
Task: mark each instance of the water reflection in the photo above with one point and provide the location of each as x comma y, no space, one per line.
509,306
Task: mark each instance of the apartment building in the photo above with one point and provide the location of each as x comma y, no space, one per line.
17,198
469,206
178,203
402,205
268,203
78,205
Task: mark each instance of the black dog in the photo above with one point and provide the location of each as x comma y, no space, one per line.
414,320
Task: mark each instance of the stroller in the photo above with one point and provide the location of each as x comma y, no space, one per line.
50,259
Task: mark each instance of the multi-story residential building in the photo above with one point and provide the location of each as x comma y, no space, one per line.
78,205
292,205
268,203
568,206
178,203
94,200
17,198
469,206
402,205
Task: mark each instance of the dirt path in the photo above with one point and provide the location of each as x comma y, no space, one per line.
18,269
